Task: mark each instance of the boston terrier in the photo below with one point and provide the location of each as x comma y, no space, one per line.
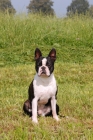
42,93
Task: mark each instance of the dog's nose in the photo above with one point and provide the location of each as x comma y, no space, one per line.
43,68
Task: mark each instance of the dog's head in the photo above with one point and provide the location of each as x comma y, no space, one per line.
45,65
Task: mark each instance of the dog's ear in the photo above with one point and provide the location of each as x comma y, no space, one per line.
52,54
38,53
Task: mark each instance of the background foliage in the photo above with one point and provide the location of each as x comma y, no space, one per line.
78,6
20,35
91,10
41,6
6,6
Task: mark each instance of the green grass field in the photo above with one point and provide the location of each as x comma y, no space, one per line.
73,40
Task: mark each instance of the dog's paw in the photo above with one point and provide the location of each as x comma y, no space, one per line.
34,120
56,118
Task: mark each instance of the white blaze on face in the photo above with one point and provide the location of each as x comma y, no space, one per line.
44,62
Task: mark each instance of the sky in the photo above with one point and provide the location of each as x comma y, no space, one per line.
59,6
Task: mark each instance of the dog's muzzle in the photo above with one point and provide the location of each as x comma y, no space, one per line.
43,70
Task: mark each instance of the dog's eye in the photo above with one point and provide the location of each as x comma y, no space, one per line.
48,64
40,64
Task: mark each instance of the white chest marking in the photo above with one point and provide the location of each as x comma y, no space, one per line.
44,88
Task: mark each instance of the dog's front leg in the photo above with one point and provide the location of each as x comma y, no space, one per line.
34,110
53,105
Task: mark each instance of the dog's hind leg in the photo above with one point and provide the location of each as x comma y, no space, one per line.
49,110
27,107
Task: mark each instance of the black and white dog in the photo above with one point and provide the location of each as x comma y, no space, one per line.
43,89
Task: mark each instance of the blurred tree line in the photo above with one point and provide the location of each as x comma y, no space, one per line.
46,7
41,6
79,7
6,6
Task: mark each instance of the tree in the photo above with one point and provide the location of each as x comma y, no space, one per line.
5,5
79,6
91,10
41,6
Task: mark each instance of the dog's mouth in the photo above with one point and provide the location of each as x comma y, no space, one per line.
43,73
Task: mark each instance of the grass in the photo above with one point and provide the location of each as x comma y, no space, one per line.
73,40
